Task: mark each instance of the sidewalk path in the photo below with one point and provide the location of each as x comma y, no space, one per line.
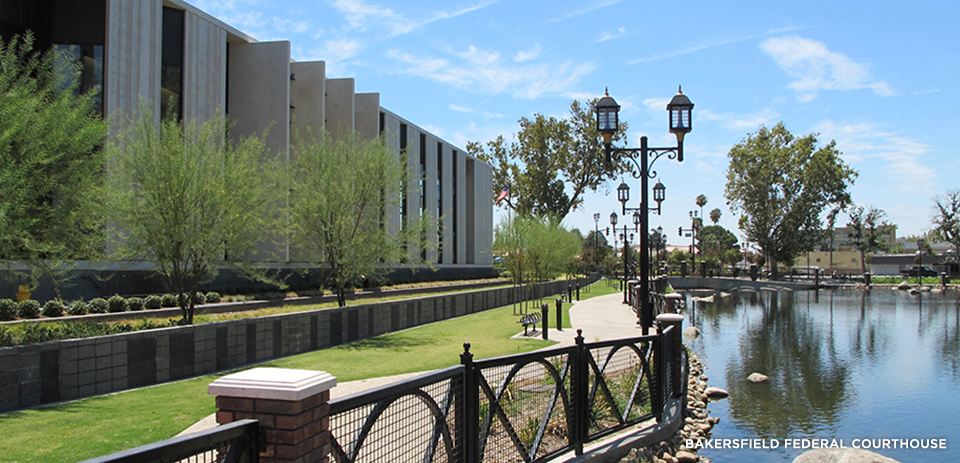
601,318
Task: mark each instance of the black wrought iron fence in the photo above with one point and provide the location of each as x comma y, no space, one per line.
524,408
411,421
236,442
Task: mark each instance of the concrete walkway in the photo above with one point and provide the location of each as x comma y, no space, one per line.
601,318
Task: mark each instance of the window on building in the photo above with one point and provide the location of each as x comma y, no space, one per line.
439,202
171,64
453,195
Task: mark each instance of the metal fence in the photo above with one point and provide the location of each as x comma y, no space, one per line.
519,408
237,442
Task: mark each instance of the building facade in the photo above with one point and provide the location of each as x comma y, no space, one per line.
183,60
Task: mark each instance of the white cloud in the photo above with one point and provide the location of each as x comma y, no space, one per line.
592,7
740,122
816,68
484,71
607,35
901,158
528,55
334,51
461,109
362,16
708,43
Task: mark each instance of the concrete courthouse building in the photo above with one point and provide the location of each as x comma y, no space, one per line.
157,49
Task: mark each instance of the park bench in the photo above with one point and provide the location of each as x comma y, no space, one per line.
529,320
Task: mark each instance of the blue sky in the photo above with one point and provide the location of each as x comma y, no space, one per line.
878,77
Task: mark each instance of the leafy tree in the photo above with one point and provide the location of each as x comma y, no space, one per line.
534,249
595,249
184,196
341,190
50,161
715,215
868,224
550,156
781,185
946,221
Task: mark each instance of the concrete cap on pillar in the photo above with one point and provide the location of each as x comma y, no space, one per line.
273,383
669,318
673,296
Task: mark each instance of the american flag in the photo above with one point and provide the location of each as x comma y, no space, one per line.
503,194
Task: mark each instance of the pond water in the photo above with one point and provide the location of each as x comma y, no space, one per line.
843,364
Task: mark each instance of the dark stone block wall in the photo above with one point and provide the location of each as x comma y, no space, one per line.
66,370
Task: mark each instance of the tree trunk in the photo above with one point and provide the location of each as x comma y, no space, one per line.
774,273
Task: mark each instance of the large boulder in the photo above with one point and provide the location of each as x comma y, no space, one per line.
691,333
757,378
715,393
842,456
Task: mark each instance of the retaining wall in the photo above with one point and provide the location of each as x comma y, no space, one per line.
66,370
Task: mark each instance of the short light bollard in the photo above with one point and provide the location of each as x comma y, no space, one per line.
943,279
545,320
676,321
866,279
559,313
291,406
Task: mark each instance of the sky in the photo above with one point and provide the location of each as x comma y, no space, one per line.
880,78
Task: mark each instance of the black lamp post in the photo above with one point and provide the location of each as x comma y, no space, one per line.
680,111
656,240
919,261
613,225
596,240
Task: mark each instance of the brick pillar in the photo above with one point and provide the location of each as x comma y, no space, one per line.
291,406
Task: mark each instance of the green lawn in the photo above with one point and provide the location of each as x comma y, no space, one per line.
88,428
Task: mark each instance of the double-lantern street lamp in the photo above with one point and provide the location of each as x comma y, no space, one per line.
626,238
680,111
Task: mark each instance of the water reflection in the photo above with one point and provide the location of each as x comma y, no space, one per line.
842,364
809,382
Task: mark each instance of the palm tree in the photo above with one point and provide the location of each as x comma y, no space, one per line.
715,215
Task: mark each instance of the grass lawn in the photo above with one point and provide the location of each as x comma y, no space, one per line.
88,428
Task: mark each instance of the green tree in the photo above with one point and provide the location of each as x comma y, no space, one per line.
51,161
342,191
550,157
701,201
868,224
946,219
184,196
715,215
534,249
781,185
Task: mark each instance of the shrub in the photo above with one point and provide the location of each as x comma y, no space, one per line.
199,298
28,309
98,305
169,300
153,302
77,308
6,337
116,304
212,297
53,308
8,309
135,303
